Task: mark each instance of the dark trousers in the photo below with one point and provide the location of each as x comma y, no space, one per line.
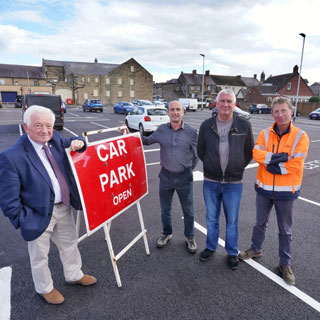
182,183
284,218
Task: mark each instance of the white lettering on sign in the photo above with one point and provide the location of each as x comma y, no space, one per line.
116,176
122,196
115,150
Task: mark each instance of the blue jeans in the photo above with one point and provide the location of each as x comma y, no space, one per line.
183,184
230,195
284,210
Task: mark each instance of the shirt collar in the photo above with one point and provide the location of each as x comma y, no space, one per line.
182,125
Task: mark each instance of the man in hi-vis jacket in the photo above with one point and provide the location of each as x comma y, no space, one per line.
280,151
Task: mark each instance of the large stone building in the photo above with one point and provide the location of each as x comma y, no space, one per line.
18,80
78,81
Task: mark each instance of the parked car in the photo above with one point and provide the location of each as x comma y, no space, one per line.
259,108
64,107
189,104
146,119
212,104
142,103
17,103
159,103
236,110
315,114
123,107
53,102
92,105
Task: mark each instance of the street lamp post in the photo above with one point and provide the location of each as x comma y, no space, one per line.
297,97
203,56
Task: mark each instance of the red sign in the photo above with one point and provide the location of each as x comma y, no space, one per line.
111,176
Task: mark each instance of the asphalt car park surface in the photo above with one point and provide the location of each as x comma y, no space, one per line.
171,283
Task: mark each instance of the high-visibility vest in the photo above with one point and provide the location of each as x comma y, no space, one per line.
286,183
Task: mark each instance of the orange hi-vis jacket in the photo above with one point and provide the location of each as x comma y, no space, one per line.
281,161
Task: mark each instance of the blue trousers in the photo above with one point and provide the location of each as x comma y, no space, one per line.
182,183
284,218
230,196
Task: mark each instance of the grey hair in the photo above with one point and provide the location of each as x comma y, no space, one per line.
228,92
36,109
281,100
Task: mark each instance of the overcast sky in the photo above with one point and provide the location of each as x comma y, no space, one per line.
242,37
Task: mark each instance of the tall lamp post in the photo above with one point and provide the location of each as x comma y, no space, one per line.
203,56
297,97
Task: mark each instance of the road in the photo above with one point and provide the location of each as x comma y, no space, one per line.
171,283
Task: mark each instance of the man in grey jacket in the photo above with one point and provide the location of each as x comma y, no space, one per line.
225,147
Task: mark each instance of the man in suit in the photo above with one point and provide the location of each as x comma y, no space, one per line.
37,190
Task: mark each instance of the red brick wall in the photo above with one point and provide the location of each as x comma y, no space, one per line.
303,91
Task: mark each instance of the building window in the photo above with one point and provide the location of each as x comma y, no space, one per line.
95,93
88,79
120,81
289,86
209,87
96,79
2,82
82,79
107,80
85,96
198,88
191,87
119,94
131,82
132,68
177,88
131,93
36,83
16,82
269,99
107,93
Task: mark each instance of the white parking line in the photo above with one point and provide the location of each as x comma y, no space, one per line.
5,293
292,289
310,201
100,125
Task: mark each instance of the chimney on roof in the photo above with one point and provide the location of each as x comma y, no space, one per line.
194,71
295,69
95,60
207,72
255,76
262,77
238,76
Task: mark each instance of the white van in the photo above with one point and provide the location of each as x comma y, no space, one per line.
189,104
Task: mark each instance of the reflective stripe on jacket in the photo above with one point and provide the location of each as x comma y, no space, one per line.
281,161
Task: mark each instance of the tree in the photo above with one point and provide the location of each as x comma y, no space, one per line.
314,99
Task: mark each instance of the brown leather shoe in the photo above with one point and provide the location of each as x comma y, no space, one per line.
86,280
53,297
249,254
287,275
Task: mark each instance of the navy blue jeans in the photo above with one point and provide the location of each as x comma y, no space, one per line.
230,196
284,218
182,183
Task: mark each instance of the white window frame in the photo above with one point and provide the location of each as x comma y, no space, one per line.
119,94
107,80
96,79
95,92
85,96
289,86
120,81
108,93
131,82
82,79
132,68
131,93
88,79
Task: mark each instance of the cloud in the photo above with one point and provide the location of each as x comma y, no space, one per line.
237,37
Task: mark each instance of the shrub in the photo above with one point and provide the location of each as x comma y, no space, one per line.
314,99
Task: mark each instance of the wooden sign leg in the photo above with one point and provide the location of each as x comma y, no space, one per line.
112,256
146,245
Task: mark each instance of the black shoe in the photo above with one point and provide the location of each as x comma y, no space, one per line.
233,262
205,254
